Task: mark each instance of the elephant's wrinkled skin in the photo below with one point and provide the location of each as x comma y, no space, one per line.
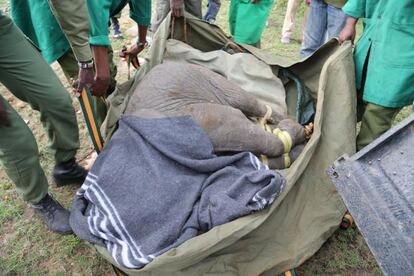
221,108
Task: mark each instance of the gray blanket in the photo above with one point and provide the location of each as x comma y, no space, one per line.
158,183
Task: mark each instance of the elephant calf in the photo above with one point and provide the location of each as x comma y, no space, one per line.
223,110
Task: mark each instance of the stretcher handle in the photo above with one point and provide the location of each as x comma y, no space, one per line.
184,28
88,110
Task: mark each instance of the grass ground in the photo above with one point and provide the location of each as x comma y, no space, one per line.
28,248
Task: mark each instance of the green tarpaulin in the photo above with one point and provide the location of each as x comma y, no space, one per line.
310,209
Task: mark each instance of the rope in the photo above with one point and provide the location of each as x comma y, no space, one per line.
284,136
261,122
287,160
286,139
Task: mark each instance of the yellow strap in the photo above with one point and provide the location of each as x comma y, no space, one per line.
287,160
91,119
285,137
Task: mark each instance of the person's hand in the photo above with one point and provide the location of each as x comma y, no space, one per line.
100,85
85,79
4,115
177,8
133,51
102,77
97,84
349,31
255,1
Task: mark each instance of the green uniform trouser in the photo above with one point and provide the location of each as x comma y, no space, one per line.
247,21
376,120
27,75
70,68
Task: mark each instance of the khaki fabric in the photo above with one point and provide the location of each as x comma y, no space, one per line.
309,210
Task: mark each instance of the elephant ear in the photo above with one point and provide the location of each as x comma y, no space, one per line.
231,94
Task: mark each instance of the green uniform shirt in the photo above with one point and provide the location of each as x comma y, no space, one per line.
336,3
37,22
388,43
101,10
72,16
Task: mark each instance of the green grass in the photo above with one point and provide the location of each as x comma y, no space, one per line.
28,248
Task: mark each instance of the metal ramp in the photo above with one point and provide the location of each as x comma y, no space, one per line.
377,186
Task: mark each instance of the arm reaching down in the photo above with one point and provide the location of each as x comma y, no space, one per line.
73,18
349,31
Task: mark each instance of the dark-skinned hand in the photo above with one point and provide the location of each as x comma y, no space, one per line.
133,51
98,87
85,79
177,8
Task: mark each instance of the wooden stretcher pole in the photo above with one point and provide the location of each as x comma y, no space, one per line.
88,110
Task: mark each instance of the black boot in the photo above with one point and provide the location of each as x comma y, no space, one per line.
69,172
53,215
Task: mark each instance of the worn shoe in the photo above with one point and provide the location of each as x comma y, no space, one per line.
53,215
69,172
116,30
117,34
212,21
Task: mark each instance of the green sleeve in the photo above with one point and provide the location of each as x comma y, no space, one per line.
99,18
140,11
355,8
73,18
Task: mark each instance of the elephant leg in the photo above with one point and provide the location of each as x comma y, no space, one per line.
230,130
284,162
295,130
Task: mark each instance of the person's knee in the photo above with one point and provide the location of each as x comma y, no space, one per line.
22,151
60,102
